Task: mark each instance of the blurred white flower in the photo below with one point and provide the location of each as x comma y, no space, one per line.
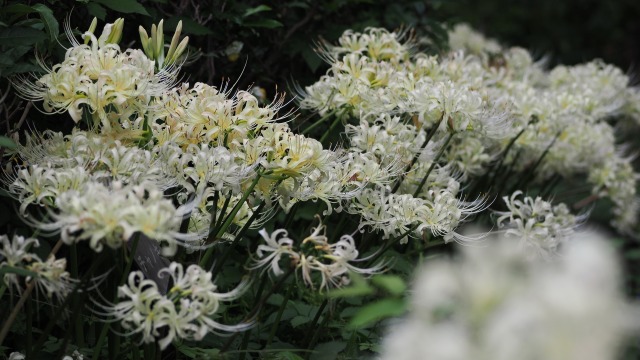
495,302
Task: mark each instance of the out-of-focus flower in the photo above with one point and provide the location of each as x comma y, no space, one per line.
496,302
51,277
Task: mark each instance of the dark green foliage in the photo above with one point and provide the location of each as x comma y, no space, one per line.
569,32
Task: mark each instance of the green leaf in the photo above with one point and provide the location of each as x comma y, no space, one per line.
17,271
97,10
311,58
633,254
50,22
21,68
263,23
359,287
256,10
124,6
299,320
20,36
188,26
391,283
377,311
287,355
9,57
18,10
7,143
328,350
351,291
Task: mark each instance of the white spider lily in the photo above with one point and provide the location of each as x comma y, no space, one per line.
540,226
315,255
186,311
269,254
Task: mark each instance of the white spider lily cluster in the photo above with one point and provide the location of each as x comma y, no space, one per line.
484,97
539,225
52,278
439,213
331,262
204,146
185,312
496,302
99,76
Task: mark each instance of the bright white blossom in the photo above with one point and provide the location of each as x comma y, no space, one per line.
186,311
539,225
314,257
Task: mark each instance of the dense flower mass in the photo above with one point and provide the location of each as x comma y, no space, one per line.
496,302
172,180
480,102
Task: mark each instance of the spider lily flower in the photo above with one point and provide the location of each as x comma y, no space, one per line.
186,312
314,257
99,78
395,214
275,248
51,277
539,225
112,215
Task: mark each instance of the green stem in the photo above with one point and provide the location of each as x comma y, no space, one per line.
130,260
524,180
311,334
510,171
328,132
45,334
316,333
105,328
79,338
135,351
101,338
546,189
336,234
498,168
223,211
433,164
218,266
289,218
255,312
150,351
214,212
274,327
257,303
430,134
390,243
319,122
29,308
207,255
23,298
